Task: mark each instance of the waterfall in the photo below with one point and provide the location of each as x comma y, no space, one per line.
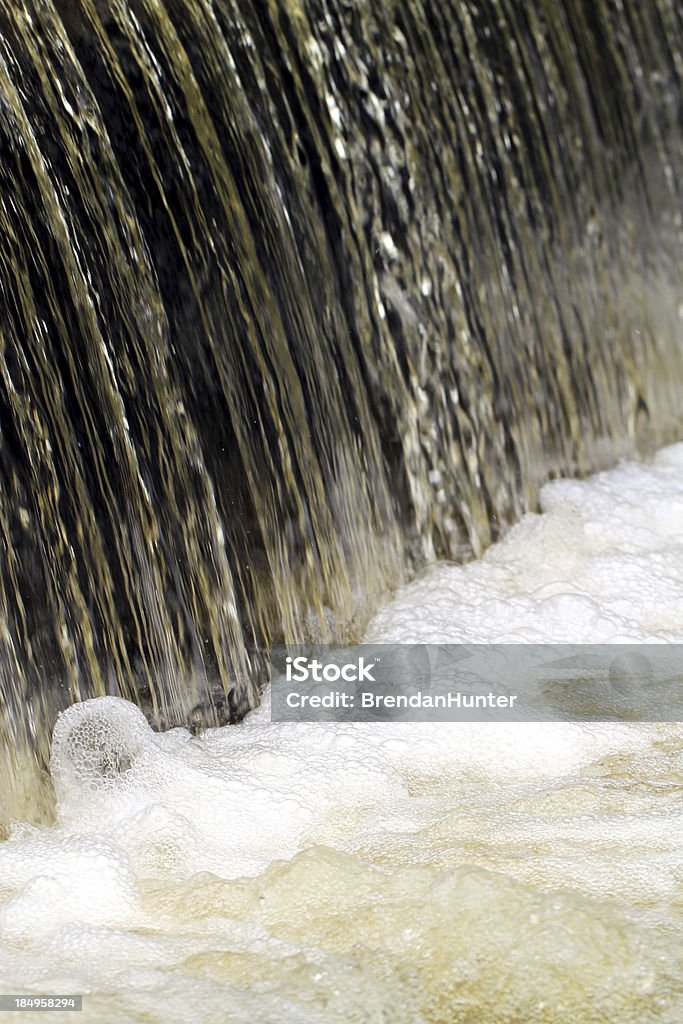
297,296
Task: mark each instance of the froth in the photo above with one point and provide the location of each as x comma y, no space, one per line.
601,563
411,872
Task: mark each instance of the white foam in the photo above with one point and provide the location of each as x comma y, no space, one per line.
411,872
603,563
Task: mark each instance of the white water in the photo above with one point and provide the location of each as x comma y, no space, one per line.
449,873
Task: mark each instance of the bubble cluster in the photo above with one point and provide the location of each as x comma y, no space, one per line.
97,745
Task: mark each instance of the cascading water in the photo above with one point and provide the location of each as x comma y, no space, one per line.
298,295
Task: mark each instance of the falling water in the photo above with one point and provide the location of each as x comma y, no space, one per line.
296,296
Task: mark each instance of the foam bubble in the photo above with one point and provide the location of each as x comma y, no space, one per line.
98,746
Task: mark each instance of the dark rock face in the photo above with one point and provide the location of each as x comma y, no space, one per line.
297,295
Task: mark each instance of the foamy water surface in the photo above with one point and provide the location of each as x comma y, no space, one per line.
325,873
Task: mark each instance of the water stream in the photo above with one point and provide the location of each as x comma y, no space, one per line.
303,303
296,297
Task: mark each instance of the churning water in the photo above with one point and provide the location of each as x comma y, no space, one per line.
298,297
417,873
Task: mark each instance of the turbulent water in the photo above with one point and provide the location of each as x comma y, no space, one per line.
298,297
297,294
412,873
